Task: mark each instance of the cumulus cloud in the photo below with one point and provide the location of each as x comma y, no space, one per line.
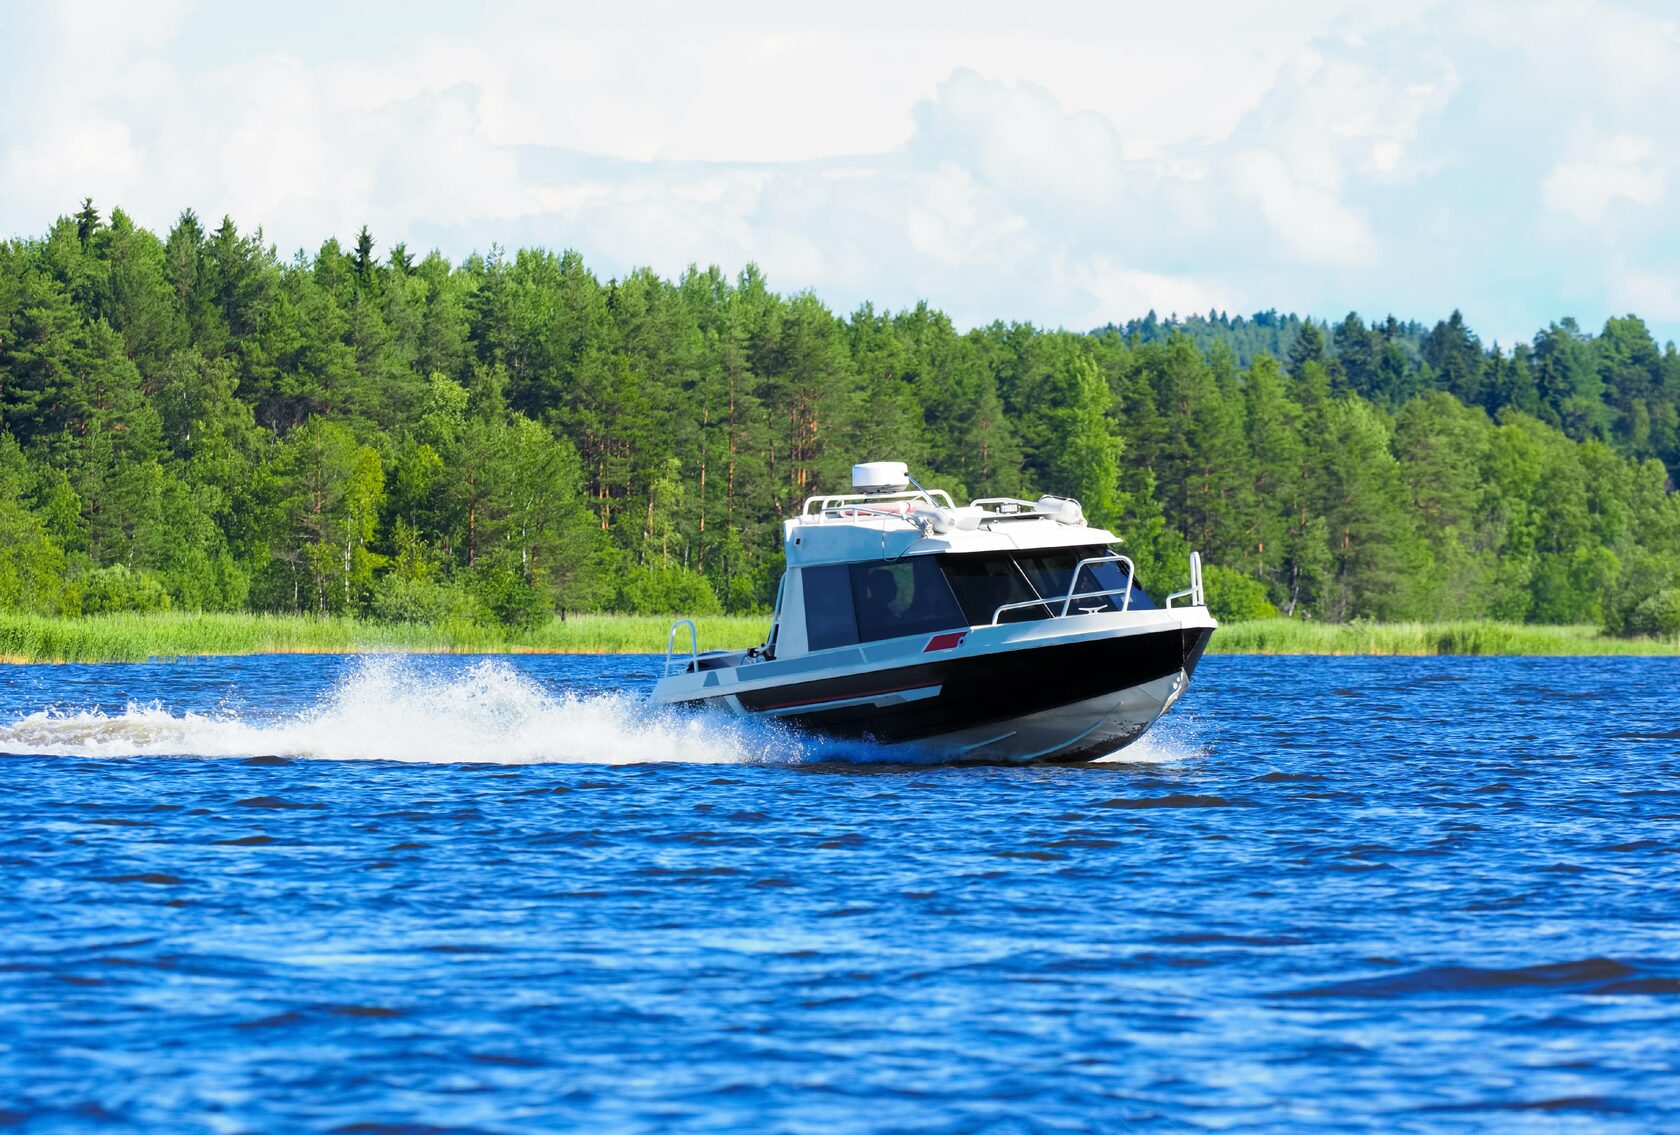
1654,294
1510,158
1021,142
1618,168
1313,225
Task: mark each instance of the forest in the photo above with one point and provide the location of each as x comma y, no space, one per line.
194,422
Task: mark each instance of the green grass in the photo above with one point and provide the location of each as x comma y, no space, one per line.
136,638
1293,636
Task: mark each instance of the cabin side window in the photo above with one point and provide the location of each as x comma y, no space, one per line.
829,618
907,597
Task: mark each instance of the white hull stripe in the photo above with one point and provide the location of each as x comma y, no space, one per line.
877,697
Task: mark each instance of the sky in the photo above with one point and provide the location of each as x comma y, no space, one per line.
1069,164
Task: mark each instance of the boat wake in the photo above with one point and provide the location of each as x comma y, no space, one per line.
393,709
405,710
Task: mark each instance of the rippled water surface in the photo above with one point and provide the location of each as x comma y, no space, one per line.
281,894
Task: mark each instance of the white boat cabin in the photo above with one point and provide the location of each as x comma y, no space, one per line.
892,560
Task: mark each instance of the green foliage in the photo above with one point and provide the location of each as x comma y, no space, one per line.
1234,597
665,591
1659,614
401,598
501,589
194,423
31,565
114,589
1082,449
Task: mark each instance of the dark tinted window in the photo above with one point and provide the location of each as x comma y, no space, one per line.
902,598
1140,598
985,582
1051,570
1108,577
829,620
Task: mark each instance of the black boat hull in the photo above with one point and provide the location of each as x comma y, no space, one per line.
1063,702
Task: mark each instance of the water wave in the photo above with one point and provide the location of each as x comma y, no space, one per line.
406,710
1601,977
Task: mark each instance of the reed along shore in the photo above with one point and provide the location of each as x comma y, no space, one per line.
141,638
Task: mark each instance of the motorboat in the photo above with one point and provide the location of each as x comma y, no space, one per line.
1001,631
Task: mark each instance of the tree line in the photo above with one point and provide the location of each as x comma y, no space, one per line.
195,422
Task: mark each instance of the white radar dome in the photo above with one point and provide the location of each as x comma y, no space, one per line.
881,477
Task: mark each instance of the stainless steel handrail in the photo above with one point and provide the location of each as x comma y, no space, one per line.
693,647
862,510
1195,592
816,506
1067,600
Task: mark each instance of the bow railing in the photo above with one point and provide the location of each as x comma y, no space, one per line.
1073,594
1194,593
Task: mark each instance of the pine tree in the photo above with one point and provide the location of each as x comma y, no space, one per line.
87,221
1456,355
362,261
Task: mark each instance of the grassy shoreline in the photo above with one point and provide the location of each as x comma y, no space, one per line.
139,638
1467,637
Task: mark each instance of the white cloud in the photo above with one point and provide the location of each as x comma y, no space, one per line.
1652,294
1384,155
953,220
1618,168
1019,140
86,152
1116,288
1313,224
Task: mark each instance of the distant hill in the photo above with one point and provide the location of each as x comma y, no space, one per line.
1264,333
1617,386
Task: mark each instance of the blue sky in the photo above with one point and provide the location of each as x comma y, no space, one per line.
1067,163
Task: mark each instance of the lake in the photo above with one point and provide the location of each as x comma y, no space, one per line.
498,895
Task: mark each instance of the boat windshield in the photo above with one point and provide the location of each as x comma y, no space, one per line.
985,581
846,604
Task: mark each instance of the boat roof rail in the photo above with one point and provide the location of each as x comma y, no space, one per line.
816,506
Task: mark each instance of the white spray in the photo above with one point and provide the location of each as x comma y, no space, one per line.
401,710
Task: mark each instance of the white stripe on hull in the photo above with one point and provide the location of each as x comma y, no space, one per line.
896,697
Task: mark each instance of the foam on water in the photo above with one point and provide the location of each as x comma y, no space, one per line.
1172,740
403,710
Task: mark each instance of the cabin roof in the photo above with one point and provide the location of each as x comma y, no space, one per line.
847,529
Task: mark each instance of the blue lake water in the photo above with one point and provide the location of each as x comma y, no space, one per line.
502,895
